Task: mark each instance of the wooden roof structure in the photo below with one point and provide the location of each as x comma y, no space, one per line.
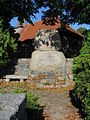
28,32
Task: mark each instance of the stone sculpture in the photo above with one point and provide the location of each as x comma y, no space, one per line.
46,39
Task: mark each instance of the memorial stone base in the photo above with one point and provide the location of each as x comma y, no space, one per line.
48,65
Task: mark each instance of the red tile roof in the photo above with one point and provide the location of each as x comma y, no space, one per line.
29,31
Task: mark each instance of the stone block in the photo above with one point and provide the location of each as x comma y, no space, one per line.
48,62
12,107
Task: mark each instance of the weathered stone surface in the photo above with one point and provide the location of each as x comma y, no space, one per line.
58,106
12,107
22,67
46,60
69,63
50,63
47,38
15,77
69,74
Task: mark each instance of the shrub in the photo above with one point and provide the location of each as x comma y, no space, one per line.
81,71
34,111
8,46
20,90
32,101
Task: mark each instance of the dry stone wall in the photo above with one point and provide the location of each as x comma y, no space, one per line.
23,66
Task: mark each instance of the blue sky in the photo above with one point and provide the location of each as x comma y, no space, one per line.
13,22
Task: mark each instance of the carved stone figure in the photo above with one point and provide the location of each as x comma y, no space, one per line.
47,39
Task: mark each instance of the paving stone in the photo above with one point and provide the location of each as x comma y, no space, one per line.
56,105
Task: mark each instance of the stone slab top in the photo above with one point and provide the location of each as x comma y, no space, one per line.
10,104
16,77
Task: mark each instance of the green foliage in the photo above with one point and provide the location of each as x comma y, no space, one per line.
32,101
81,70
69,11
77,11
82,30
19,8
45,83
7,46
34,111
20,90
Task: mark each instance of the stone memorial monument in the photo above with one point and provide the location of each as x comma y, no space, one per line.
46,59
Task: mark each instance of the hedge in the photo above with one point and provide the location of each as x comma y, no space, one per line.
81,71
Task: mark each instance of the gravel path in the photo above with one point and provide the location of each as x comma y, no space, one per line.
58,106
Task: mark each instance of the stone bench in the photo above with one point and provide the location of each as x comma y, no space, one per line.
14,77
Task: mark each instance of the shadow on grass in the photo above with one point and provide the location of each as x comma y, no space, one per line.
77,103
25,113
33,109
36,114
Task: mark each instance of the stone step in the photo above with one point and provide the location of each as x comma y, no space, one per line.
22,71
23,67
24,61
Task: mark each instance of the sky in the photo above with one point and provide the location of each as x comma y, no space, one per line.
75,26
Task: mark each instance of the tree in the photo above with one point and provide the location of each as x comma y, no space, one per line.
23,9
69,11
82,30
19,8
7,46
